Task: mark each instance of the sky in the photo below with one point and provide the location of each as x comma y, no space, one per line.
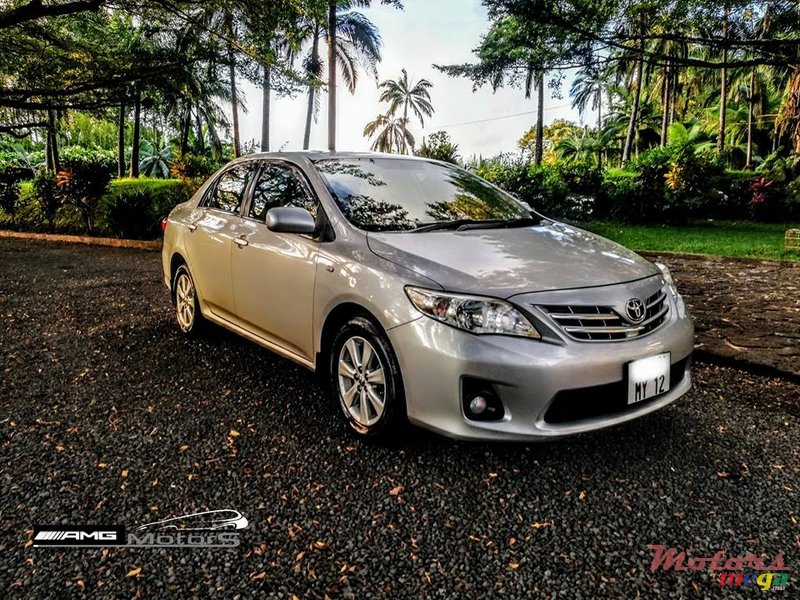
423,33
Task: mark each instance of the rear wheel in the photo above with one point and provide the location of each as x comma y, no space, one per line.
187,307
365,378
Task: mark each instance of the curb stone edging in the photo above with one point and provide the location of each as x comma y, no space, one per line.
84,239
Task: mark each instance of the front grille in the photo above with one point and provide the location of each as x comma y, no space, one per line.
603,323
604,400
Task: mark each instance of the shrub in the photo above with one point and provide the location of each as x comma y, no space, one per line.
46,196
133,208
82,184
102,160
10,179
557,190
192,169
616,191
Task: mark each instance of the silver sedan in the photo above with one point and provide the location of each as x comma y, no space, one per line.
422,293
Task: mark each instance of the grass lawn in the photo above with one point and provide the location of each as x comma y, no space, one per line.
721,238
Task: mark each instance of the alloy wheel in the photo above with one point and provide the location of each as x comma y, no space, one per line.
185,302
362,384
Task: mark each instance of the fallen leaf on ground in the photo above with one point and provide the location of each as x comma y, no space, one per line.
134,572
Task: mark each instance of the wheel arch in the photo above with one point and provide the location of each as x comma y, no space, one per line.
336,317
175,261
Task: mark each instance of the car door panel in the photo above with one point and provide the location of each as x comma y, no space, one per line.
209,246
273,281
209,241
273,275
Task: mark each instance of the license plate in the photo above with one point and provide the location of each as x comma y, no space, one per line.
648,377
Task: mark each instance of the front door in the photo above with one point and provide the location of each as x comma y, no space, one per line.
273,273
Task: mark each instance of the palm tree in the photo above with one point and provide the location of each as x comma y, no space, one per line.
155,163
410,95
393,134
280,52
357,45
368,45
587,88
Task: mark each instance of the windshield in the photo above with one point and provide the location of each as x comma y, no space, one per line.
389,194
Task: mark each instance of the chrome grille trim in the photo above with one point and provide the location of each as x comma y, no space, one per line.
603,323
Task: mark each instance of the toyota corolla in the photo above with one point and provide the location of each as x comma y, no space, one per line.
420,292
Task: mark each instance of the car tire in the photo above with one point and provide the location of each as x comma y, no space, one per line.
365,379
187,306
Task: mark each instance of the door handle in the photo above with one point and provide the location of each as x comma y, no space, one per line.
191,227
241,242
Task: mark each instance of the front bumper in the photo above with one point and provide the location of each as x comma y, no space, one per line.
528,375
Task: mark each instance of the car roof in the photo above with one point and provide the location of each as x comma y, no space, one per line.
315,155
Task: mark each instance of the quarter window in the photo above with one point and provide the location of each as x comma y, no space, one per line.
280,186
229,191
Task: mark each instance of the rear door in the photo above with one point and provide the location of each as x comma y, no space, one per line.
211,236
273,274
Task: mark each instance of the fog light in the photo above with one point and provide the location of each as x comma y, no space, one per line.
477,405
480,400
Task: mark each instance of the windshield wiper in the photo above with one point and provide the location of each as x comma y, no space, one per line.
438,225
467,224
500,223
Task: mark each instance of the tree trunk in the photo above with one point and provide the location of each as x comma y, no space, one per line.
723,90
599,126
332,75
405,127
674,95
186,119
53,162
312,89
237,148
665,95
538,152
121,142
750,105
198,129
637,93
137,124
266,90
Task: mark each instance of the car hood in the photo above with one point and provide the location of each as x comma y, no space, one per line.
506,262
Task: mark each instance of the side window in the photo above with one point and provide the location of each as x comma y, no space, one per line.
280,186
229,191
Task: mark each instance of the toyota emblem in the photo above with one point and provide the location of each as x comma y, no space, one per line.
635,310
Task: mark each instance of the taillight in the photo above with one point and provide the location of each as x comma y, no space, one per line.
164,224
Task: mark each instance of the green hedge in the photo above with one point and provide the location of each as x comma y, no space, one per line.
132,208
664,185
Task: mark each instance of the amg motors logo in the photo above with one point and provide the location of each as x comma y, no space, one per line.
210,529
79,535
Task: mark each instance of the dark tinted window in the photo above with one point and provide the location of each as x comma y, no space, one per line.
280,186
388,194
228,194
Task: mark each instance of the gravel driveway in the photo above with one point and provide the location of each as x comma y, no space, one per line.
108,416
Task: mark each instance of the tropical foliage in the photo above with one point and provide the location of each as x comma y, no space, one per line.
392,132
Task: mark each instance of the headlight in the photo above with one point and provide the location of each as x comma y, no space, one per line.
667,278
472,313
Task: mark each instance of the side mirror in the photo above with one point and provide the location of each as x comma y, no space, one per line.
290,219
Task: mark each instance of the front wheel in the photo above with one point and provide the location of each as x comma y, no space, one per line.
365,377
